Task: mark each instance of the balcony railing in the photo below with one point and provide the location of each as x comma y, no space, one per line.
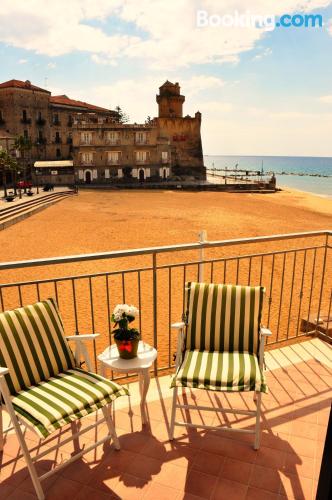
56,122
40,122
111,161
57,140
295,269
2,122
26,121
41,141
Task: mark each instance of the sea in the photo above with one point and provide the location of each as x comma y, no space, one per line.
310,174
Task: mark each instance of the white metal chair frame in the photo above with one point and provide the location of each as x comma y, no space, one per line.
181,327
16,422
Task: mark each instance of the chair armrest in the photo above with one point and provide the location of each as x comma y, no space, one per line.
3,371
85,336
265,332
178,326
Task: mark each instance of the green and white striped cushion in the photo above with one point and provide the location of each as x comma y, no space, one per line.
220,371
223,317
65,397
32,345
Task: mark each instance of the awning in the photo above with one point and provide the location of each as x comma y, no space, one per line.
54,164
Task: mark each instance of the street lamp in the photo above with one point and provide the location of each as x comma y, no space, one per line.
37,183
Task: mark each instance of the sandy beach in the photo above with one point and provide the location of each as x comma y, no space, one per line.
99,221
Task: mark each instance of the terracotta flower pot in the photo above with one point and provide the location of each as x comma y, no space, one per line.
127,348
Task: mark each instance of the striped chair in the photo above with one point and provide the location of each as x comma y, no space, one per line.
41,383
221,346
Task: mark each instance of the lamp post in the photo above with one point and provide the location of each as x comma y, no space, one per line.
19,185
37,182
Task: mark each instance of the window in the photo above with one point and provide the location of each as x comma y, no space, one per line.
56,119
87,158
141,156
1,117
24,115
113,137
113,157
164,157
40,136
39,116
58,153
26,135
86,137
141,138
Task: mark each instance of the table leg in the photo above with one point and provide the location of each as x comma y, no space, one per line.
144,386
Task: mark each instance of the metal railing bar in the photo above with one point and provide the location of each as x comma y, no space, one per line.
155,305
123,288
301,292
249,270
281,293
75,305
164,266
56,292
109,325
38,292
162,249
322,280
20,295
311,288
261,270
139,301
291,294
1,300
270,291
169,315
93,322
76,277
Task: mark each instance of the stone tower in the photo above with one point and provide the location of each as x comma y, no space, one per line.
170,101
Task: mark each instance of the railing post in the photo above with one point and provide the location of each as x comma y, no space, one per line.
322,282
155,311
202,238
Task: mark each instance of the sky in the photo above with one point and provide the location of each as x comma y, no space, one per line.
260,92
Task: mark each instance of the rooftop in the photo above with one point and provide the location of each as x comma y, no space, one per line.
64,100
19,84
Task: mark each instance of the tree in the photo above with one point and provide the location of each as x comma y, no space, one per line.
7,164
122,116
23,145
149,120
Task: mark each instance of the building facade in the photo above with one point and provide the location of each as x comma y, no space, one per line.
166,147
32,112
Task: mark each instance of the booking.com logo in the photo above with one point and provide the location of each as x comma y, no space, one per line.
265,22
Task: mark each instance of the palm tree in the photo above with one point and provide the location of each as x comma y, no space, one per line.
23,144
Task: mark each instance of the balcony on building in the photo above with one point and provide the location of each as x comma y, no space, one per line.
26,120
295,269
40,122
69,140
40,141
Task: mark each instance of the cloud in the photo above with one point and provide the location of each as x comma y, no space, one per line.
165,32
23,61
327,99
104,60
266,52
51,65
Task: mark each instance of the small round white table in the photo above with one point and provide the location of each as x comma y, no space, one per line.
146,355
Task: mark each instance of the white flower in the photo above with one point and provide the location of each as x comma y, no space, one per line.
123,310
132,311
